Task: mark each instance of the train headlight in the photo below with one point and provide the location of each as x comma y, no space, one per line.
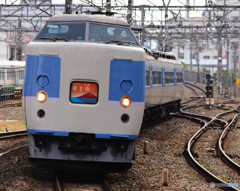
41,96
125,101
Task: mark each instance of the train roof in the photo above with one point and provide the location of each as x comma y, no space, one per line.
87,18
11,64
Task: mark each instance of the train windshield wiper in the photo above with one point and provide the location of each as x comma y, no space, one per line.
48,38
60,38
128,42
119,42
114,41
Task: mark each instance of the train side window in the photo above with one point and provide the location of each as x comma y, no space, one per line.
147,78
10,74
160,77
179,77
169,77
21,74
157,78
1,74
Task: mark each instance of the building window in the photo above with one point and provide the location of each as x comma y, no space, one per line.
235,19
205,57
181,56
206,46
215,57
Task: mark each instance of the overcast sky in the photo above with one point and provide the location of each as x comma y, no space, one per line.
148,2
157,15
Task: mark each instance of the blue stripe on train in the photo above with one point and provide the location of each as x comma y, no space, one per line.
37,66
66,134
133,71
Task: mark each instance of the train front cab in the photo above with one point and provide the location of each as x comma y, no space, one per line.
82,124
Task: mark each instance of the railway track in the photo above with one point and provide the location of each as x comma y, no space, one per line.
17,104
220,143
98,183
207,123
12,135
200,95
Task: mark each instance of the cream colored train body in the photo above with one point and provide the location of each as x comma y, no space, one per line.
84,93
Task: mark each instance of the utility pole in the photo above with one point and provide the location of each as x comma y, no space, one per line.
108,7
129,13
19,46
226,75
142,19
19,34
235,71
219,74
235,46
191,55
197,55
187,48
68,6
167,41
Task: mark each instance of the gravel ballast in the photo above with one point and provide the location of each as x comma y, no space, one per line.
166,144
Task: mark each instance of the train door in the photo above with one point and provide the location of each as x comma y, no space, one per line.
163,84
151,84
179,83
175,83
156,89
169,83
147,83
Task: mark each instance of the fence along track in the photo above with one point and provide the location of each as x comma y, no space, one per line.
188,153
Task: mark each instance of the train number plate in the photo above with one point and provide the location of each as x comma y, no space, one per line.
84,92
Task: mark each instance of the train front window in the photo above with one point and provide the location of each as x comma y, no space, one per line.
63,32
111,34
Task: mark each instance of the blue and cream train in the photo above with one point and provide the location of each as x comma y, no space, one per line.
88,87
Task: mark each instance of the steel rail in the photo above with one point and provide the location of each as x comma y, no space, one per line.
13,134
57,183
11,105
191,89
105,185
196,136
221,152
197,95
195,86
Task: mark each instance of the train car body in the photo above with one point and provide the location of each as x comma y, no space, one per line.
84,93
12,73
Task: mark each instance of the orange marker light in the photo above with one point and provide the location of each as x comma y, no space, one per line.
41,96
125,101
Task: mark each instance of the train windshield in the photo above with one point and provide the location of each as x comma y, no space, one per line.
111,34
65,32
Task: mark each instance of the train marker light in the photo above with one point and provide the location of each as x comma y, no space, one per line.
125,101
41,96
